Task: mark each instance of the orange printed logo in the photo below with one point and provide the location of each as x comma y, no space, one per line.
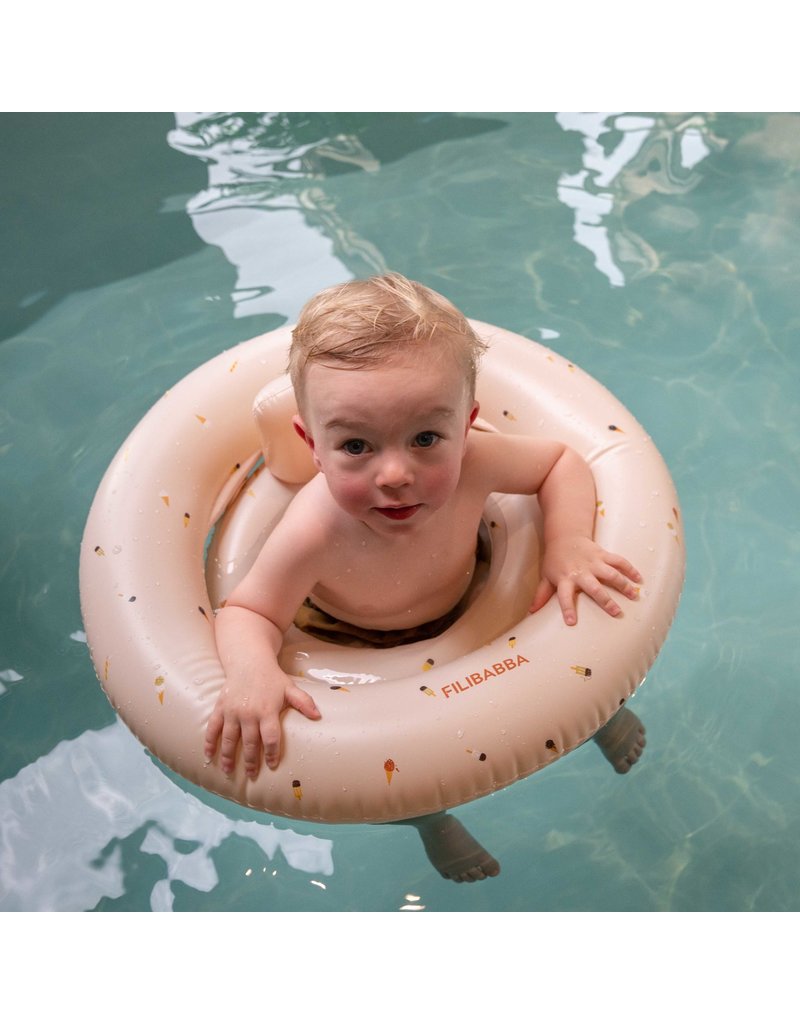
489,672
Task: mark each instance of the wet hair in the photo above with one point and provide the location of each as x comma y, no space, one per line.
362,324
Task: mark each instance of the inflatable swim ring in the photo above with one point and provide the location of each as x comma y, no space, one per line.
403,732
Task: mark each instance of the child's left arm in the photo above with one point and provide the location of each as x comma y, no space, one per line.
572,561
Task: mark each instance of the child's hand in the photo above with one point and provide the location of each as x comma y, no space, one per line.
251,713
573,564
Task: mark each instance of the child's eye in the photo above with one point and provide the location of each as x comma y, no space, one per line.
355,446
427,439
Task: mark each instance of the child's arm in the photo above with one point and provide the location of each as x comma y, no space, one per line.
249,632
571,561
255,693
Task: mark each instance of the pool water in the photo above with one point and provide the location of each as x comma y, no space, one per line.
659,252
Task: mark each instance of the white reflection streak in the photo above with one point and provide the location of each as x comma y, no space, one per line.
588,232
280,259
649,155
591,207
693,147
62,819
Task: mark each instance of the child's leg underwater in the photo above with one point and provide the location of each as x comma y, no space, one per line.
457,855
622,740
454,853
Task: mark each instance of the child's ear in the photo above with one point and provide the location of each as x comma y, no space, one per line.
302,432
300,427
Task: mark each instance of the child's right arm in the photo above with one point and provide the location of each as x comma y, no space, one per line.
249,633
255,693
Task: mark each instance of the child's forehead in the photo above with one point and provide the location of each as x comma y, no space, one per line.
396,388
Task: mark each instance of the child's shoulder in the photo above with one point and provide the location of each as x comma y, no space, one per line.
484,448
509,463
486,445
312,512
301,540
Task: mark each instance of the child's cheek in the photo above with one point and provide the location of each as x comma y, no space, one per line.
441,482
351,494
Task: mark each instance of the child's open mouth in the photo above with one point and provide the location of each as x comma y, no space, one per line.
401,512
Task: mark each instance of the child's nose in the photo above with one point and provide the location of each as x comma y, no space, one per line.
394,471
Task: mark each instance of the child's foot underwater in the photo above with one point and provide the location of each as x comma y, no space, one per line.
452,850
622,740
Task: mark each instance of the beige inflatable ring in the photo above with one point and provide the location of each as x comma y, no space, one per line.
403,732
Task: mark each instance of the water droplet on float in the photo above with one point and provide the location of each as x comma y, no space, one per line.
460,734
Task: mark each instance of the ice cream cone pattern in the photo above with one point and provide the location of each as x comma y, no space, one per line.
390,768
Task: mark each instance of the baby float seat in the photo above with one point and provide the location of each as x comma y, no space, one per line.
406,731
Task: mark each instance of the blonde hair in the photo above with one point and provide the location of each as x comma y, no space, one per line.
360,324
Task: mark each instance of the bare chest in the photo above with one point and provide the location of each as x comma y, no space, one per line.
405,580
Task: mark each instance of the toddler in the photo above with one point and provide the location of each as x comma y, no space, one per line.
380,547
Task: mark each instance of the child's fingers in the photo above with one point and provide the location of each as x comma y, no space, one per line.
624,567
592,587
620,580
602,598
566,592
544,592
621,583
231,732
271,738
213,730
589,584
251,748
302,702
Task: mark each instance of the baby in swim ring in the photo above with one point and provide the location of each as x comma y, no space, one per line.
380,547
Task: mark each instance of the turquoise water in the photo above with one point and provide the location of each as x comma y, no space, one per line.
660,253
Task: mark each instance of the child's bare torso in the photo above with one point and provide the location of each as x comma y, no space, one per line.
388,575
404,576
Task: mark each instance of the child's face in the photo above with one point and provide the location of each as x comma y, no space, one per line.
390,440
